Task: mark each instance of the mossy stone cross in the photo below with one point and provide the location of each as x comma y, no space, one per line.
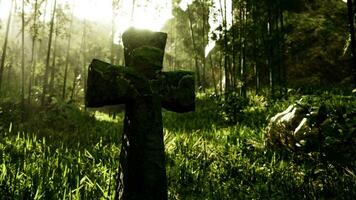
144,89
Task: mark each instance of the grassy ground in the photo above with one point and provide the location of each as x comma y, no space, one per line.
62,152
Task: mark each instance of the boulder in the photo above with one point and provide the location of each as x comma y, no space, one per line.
329,130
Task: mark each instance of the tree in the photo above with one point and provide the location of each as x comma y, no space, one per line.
115,6
54,57
23,54
67,58
192,31
84,50
351,15
197,68
47,67
4,49
34,39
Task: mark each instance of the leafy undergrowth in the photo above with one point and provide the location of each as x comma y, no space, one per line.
232,162
62,152
58,152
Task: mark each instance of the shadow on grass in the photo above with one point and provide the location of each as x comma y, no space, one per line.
205,117
61,124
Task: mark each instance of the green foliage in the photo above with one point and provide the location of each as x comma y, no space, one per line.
318,35
232,106
232,163
68,155
63,152
324,125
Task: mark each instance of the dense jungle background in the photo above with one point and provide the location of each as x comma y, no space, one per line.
275,110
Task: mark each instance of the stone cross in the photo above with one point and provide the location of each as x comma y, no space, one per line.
144,89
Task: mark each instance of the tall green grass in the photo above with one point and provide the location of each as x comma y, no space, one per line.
65,153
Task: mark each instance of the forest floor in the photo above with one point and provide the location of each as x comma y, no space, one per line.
63,152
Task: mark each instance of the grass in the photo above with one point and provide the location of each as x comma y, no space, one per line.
62,152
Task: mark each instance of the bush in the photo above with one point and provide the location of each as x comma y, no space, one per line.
231,107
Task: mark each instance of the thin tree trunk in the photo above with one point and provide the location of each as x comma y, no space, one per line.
283,65
23,55
174,35
67,59
115,7
8,78
213,75
221,73
45,79
33,62
45,12
194,47
234,30
84,49
74,85
113,30
23,60
243,56
3,56
270,56
53,67
226,56
205,41
352,34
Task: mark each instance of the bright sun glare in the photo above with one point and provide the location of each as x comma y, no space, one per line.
146,14
150,15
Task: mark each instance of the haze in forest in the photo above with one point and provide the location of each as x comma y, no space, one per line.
229,44
143,14
272,84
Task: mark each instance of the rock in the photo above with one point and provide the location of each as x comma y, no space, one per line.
326,129
287,128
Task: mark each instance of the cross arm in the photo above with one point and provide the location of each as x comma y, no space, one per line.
110,85
178,92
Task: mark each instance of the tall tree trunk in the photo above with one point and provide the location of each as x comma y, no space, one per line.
67,59
213,75
8,77
33,62
270,53
243,50
112,46
221,73
115,7
23,54
282,61
3,56
197,69
174,35
74,84
53,67
84,49
45,78
351,14
205,42
23,61
113,30
234,46
225,47
278,43
257,66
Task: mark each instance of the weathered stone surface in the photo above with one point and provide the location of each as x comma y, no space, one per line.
134,39
288,129
313,128
144,90
111,85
